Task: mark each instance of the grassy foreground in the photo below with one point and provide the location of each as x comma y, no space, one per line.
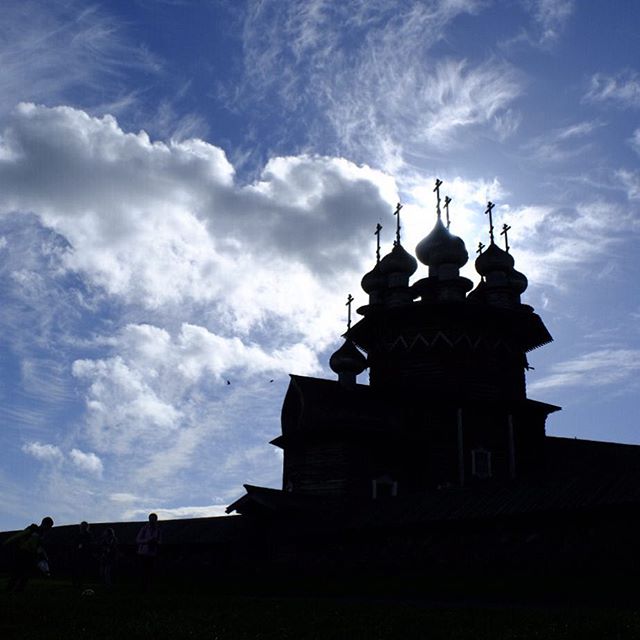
52,609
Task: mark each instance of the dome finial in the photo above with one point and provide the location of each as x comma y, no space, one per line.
348,305
397,213
489,209
505,228
437,192
377,234
480,248
447,200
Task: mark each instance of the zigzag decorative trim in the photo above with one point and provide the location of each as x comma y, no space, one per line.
462,340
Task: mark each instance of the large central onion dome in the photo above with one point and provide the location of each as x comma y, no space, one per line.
442,247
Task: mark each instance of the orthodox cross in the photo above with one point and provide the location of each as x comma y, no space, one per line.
437,192
377,234
447,200
490,206
397,213
480,248
348,305
505,228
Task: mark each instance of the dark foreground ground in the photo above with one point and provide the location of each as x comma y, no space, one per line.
53,609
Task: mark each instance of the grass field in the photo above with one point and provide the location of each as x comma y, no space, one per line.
53,609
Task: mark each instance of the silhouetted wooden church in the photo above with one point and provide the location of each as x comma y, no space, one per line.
442,459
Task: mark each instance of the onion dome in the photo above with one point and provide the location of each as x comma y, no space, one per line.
442,247
347,359
494,259
517,281
398,261
373,281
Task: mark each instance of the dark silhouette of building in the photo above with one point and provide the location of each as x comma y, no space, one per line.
446,403
442,461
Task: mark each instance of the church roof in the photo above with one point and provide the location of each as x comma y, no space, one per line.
581,476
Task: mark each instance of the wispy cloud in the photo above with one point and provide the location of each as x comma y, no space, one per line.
601,368
635,141
551,17
51,49
563,143
630,181
367,70
621,89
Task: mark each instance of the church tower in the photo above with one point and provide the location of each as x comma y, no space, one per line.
446,403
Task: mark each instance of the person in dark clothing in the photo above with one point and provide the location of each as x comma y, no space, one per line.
108,556
149,540
29,556
82,555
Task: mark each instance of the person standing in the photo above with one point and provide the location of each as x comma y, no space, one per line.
108,555
82,554
29,554
148,539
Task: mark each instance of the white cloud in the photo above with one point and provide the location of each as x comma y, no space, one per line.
163,513
43,451
89,462
123,497
159,224
622,88
600,368
158,395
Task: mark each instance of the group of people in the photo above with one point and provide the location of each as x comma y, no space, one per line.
29,556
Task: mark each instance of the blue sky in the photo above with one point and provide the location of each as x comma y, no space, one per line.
189,190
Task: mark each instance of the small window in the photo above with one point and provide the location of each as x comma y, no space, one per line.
481,463
384,487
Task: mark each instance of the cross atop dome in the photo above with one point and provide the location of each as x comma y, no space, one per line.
397,213
488,210
348,305
377,234
505,228
447,200
436,190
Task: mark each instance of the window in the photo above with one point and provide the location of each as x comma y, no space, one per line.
481,463
384,487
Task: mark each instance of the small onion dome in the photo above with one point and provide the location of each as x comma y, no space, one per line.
374,280
398,261
518,281
441,247
494,259
347,359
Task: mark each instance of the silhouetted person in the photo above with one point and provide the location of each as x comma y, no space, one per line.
82,554
29,556
108,555
148,539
